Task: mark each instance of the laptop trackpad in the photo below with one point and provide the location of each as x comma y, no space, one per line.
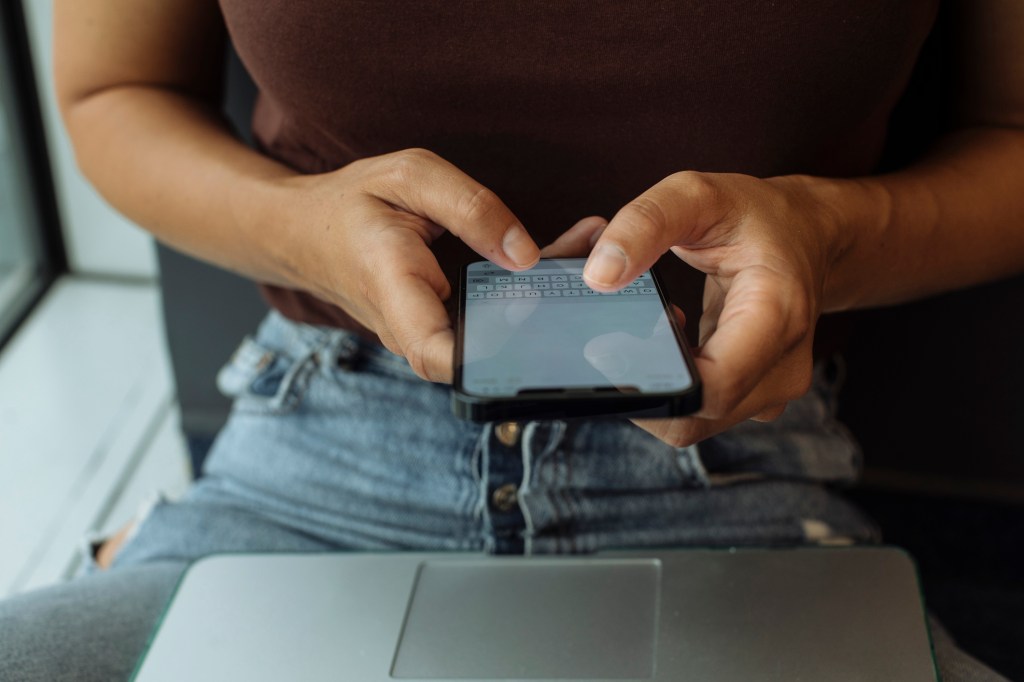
531,619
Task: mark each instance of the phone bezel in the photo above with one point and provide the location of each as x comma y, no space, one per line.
545,405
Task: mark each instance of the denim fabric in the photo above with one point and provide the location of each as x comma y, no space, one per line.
337,441
335,445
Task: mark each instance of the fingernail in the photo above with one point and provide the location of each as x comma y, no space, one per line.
606,265
518,246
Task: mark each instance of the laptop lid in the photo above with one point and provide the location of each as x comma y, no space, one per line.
745,615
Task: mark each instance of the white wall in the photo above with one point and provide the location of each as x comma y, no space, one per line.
99,240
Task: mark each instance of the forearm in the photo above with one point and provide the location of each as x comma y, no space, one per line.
172,165
953,220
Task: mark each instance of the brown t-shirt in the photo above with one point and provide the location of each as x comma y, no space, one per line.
572,108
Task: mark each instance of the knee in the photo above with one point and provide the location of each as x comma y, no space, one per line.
93,628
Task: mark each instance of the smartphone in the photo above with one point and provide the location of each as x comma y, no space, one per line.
541,344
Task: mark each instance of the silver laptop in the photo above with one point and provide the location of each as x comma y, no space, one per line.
723,615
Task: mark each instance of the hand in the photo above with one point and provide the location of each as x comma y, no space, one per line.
766,247
362,239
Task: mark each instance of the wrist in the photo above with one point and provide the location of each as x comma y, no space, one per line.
852,217
264,210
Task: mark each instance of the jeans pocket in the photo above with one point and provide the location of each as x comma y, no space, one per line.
265,381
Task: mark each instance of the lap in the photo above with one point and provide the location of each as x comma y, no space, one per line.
336,446
340,441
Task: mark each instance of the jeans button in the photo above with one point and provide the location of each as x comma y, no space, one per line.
505,498
507,433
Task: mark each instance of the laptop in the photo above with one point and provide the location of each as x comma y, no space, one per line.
744,615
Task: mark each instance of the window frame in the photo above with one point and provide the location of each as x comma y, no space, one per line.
29,150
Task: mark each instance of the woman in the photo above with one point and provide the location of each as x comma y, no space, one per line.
739,136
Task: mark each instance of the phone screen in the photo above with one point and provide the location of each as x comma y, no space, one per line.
544,329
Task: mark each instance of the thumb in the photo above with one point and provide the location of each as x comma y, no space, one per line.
671,213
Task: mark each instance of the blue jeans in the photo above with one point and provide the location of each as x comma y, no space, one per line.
339,442
334,444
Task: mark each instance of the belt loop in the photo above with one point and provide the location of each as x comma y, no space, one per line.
341,351
555,433
524,487
482,457
692,465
